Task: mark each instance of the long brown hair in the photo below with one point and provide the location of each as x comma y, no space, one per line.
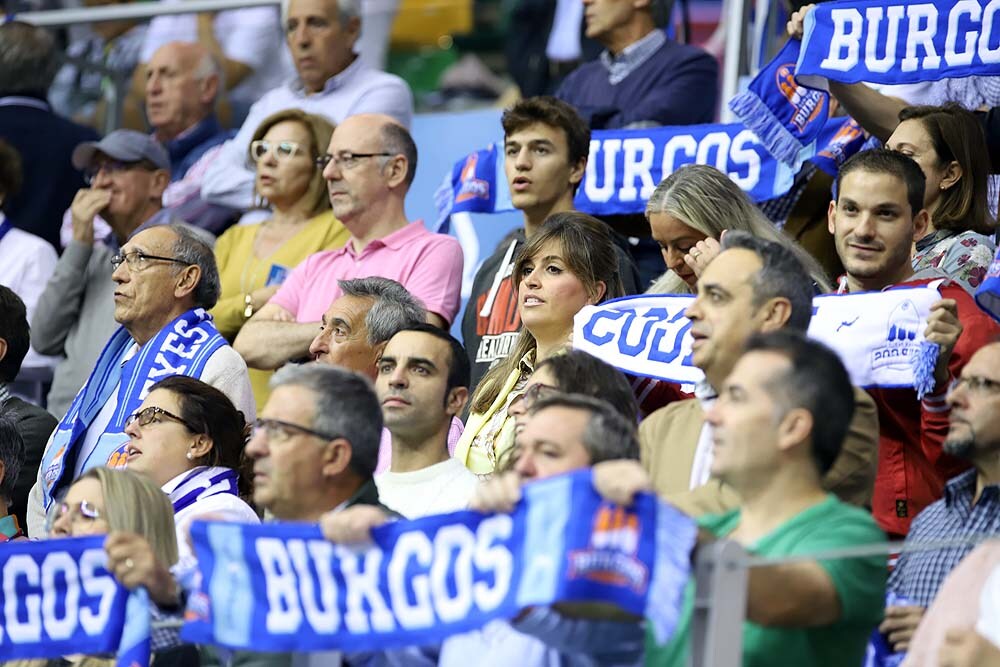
589,253
957,136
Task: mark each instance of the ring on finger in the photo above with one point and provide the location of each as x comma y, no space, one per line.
695,253
129,564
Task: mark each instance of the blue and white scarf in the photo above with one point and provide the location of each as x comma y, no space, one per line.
183,347
201,483
899,41
623,169
787,117
988,293
878,335
59,599
282,587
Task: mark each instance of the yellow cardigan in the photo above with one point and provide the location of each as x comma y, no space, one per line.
475,458
240,272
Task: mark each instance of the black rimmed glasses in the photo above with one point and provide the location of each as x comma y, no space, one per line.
277,430
283,150
346,159
155,415
137,260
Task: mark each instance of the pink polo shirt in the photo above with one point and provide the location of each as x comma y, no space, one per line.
429,265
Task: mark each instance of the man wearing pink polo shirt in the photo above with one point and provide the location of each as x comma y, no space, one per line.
369,168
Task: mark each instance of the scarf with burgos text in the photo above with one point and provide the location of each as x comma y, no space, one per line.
623,169
59,599
282,587
183,347
879,336
899,41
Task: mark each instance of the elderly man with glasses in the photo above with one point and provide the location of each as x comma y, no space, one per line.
314,451
369,167
164,281
126,174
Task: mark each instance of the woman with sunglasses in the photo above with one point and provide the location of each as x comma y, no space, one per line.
569,263
254,259
188,438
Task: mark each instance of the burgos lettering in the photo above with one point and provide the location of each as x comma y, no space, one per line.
628,168
331,588
971,36
901,338
808,102
53,596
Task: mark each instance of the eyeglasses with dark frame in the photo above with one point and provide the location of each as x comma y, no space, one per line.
113,167
346,159
532,395
278,430
152,415
138,260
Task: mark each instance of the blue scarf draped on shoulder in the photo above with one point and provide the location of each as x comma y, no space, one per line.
183,347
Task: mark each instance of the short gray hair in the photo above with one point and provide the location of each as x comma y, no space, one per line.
397,140
346,10
28,61
346,405
607,436
781,275
192,250
393,308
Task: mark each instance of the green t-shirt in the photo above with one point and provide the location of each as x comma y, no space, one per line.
860,582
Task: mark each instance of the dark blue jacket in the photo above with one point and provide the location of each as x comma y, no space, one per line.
45,142
677,85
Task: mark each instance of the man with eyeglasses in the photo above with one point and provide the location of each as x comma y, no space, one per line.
165,280
314,450
126,174
971,502
369,167
332,81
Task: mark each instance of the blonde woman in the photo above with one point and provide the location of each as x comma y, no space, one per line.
569,263
688,213
254,259
138,519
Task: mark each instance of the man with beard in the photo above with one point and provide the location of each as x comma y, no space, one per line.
971,502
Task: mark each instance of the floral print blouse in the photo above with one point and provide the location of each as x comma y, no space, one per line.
963,256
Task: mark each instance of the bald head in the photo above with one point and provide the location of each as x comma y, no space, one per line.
182,82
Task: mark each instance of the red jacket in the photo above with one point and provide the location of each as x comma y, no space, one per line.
912,466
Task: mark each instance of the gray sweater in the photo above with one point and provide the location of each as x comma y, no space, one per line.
75,318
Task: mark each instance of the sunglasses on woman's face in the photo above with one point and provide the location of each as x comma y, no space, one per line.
283,150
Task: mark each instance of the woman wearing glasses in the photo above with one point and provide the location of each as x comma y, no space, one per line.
254,259
568,264
188,438
141,544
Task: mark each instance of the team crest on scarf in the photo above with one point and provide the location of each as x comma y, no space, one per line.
611,556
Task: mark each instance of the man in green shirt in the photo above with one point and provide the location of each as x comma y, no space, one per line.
779,422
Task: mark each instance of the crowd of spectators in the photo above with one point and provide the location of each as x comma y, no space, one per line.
254,235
